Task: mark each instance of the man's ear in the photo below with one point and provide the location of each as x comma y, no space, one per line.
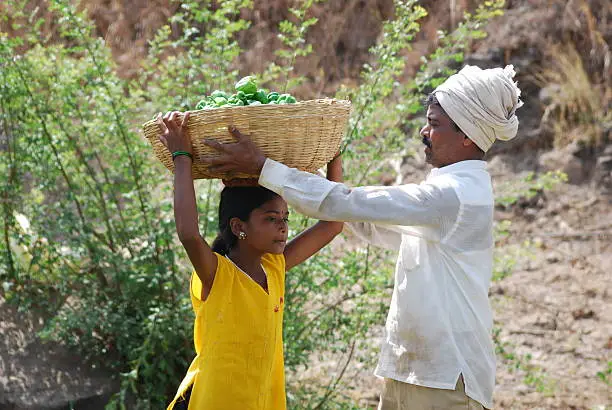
467,142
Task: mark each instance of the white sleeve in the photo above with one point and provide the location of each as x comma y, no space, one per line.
382,236
422,204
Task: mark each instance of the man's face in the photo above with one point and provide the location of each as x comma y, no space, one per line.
444,145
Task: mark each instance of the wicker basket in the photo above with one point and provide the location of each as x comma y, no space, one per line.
305,135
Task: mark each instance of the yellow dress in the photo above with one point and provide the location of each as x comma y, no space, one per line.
238,341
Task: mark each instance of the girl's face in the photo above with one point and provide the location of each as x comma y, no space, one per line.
266,230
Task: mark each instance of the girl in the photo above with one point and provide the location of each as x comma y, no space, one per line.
237,290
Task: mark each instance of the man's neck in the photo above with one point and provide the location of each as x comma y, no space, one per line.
474,158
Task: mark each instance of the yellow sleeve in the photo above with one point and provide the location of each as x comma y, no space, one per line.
195,288
195,291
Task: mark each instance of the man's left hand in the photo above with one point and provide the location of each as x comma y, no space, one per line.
243,156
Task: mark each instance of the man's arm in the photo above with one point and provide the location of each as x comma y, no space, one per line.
405,205
381,236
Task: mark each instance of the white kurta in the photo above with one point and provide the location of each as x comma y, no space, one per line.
439,323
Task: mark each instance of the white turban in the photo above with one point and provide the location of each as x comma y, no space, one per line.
482,103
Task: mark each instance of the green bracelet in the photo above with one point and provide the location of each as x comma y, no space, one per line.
179,153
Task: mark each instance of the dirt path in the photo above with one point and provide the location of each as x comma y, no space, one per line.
43,376
555,308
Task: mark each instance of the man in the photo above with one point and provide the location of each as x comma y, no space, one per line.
437,352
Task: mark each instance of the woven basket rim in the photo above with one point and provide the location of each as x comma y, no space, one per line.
277,108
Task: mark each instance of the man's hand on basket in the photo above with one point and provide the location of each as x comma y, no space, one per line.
174,135
243,156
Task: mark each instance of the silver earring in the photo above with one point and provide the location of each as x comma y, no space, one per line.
242,235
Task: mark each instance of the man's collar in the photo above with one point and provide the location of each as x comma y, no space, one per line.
468,165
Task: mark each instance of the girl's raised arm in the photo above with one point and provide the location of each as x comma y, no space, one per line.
178,142
313,239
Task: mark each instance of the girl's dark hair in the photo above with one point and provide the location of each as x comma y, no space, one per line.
237,202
